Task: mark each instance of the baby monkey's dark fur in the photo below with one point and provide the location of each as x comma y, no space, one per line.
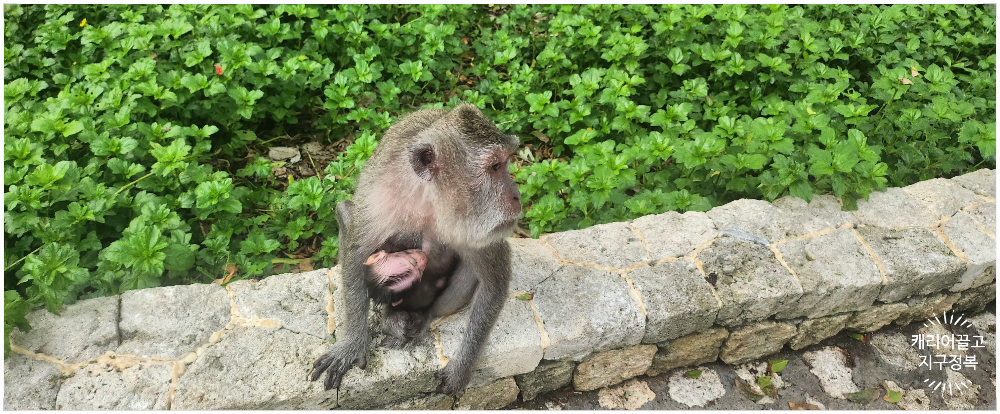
437,182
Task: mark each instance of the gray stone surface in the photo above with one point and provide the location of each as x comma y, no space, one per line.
755,341
986,215
587,310
749,280
975,299
514,346
915,261
672,234
677,298
29,384
982,182
942,196
256,368
81,332
296,300
425,402
894,348
695,392
102,387
977,247
870,320
894,208
612,367
531,262
548,376
168,322
812,331
694,349
613,245
787,217
836,273
491,397
392,375
830,366
920,308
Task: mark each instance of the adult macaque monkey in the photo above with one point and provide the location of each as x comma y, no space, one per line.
437,183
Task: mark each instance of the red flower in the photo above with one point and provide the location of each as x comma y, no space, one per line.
218,70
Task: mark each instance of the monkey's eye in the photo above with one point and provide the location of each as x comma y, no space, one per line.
496,167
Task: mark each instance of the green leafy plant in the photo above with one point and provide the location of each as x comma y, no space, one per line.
136,136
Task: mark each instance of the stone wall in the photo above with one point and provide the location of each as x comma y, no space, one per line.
587,308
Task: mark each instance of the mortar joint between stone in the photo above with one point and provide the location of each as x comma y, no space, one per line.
544,335
642,240
875,258
635,293
781,260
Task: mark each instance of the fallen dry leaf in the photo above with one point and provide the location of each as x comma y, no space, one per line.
905,81
802,406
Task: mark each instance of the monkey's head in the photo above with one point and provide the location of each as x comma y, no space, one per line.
463,159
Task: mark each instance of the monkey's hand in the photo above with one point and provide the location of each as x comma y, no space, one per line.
453,380
337,361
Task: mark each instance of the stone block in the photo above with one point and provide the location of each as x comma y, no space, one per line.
612,245
870,320
894,208
750,342
531,262
102,387
612,367
255,368
392,375
678,300
672,234
812,331
915,261
836,273
749,280
977,247
491,397
691,350
982,182
514,345
787,217
548,376
942,196
168,322
81,332
29,384
587,310
975,299
296,300
425,402
894,349
921,308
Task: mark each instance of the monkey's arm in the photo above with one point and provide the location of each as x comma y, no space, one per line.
352,347
491,268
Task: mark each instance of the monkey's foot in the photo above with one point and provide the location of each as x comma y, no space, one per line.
453,381
336,362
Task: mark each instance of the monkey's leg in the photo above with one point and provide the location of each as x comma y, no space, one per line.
352,347
491,267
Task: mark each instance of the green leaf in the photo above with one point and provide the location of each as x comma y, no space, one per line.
693,374
777,365
893,396
178,258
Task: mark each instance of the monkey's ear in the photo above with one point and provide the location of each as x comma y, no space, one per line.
424,161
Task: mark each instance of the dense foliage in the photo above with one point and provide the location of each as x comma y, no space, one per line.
136,136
